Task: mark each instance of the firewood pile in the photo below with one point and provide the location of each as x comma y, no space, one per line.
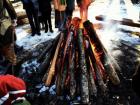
77,64
74,69
80,64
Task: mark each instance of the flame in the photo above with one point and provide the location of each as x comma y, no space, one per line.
76,22
97,57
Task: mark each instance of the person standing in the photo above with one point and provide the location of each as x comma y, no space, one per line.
60,7
31,7
45,9
83,5
70,8
7,31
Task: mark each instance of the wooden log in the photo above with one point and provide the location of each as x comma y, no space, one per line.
53,64
131,32
66,44
100,53
50,44
127,22
41,56
83,69
72,69
93,91
43,68
95,67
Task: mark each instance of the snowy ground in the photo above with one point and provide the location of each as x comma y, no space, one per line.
28,42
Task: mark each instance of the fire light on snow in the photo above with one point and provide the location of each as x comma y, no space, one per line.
117,10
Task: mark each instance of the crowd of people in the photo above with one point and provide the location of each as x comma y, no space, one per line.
40,11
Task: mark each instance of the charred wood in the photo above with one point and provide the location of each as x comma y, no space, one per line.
127,22
83,69
100,52
53,63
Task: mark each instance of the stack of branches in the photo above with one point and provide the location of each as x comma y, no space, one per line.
80,64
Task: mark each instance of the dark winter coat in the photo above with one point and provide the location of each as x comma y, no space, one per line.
45,6
30,4
70,4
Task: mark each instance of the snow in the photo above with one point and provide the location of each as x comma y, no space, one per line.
29,42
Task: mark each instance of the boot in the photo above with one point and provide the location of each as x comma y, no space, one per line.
9,53
46,30
38,33
51,30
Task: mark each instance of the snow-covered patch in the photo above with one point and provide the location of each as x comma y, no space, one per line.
29,42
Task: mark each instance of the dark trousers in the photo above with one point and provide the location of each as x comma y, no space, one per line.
32,15
69,13
47,20
59,18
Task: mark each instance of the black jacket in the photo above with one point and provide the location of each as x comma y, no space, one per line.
45,6
30,4
70,4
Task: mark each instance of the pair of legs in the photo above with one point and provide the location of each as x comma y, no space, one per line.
59,19
47,21
32,15
83,5
7,43
8,49
84,13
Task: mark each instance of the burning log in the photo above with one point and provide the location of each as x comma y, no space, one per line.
72,70
93,91
49,51
64,76
50,44
100,53
66,46
94,67
91,73
71,59
52,67
83,68
127,22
